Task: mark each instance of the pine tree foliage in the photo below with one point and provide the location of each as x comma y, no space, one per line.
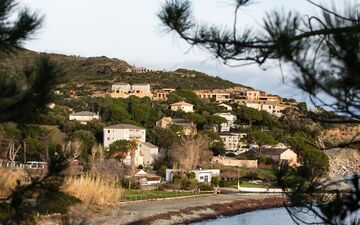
324,53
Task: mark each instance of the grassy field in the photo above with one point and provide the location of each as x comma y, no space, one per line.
137,194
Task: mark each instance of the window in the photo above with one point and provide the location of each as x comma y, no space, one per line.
108,131
108,139
201,178
206,178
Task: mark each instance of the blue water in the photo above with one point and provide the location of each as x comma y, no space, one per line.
277,216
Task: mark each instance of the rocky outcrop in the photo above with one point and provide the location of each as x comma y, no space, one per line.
343,161
341,134
104,65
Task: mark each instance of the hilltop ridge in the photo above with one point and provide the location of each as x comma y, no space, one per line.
99,73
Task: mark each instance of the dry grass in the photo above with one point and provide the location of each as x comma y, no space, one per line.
8,180
93,191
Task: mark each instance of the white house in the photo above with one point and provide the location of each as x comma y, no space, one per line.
127,132
227,107
273,108
149,152
147,179
233,141
183,106
200,174
225,127
124,90
142,70
84,117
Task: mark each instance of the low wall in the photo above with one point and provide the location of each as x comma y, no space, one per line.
226,161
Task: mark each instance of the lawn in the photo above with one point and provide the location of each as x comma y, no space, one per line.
233,184
137,194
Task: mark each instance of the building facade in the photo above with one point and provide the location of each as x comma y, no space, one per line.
201,175
149,152
228,161
127,132
234,141
162,94
230,118
182,106
124,90
84,117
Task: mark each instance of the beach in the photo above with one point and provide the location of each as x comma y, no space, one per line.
175,211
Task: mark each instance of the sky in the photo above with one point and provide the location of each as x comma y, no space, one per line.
130,30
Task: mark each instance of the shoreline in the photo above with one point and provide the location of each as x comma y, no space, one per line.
213,211
172,211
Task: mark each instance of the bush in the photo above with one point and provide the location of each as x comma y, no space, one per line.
266,160
55,202
8,181
251,176
93,191
206,186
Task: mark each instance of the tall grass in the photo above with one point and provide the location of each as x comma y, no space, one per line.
8,180
93,191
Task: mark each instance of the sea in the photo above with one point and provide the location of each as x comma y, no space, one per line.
276,216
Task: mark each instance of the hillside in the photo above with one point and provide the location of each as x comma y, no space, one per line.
98,73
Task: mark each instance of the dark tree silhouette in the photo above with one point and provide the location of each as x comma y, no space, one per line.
21,98
324,53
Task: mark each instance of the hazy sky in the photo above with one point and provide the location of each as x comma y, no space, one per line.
130,30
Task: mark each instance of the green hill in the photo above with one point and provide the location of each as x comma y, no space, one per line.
98,73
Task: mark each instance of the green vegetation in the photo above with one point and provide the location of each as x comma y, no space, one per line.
86,75
119,149
137,195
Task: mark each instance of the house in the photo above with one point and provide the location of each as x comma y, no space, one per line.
189,128
124,90
201,175
272,108
134,158
227,107
145,154
252,95
228,161
141,90
182,106
218,96
142,70
278,154
120,90
149,152
165,122
162,94
234,142
225,127
147,179
84,117
127,132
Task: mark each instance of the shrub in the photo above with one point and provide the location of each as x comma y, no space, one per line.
93,191
266,160
55,202
251,176
206,186
8,181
